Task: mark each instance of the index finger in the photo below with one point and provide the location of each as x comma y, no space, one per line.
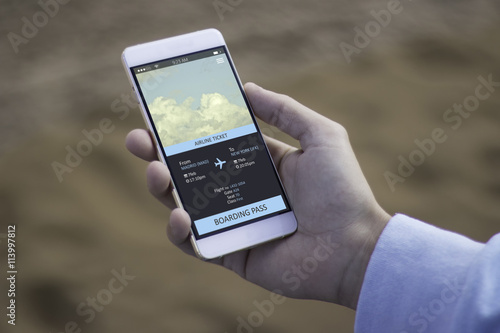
139,143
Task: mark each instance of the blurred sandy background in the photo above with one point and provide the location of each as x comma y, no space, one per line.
72,234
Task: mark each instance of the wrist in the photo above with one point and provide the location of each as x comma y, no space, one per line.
366,234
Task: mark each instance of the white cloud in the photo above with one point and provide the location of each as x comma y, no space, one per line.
178,123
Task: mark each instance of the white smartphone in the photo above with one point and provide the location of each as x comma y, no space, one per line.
204,130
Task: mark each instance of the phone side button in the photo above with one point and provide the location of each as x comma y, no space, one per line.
134,96
159,154
177,200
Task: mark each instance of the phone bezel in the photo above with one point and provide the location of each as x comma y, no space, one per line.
232,240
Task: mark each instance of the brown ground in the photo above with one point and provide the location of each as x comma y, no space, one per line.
72,234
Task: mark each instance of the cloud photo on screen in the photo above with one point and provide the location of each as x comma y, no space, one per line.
180,122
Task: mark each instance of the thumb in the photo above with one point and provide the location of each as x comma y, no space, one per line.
288,115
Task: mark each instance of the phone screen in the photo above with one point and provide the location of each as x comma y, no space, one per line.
217,158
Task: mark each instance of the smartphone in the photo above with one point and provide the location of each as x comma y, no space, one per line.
202,124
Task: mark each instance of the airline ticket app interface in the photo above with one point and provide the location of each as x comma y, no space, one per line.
218,161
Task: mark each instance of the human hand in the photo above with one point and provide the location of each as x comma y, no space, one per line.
339,220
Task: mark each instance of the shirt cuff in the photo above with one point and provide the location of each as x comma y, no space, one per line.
414,276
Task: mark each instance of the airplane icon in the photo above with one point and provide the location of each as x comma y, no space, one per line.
219,163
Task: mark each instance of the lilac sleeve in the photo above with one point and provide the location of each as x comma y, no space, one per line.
424,279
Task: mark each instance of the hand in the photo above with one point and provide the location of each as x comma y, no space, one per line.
339,218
